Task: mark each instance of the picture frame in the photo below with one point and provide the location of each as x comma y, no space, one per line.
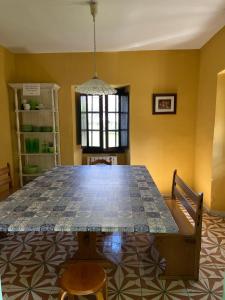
165,103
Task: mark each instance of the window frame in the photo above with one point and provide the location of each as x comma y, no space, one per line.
101,149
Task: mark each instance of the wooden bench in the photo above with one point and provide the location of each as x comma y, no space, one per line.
182,250
6,186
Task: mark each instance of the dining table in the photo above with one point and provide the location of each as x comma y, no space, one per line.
86,200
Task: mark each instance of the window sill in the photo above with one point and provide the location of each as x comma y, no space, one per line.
99,151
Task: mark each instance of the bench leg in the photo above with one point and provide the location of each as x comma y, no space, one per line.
106,290
180,257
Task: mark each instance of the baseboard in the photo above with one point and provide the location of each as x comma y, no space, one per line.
166,196
216,213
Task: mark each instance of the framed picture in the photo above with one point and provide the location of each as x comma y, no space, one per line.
164,103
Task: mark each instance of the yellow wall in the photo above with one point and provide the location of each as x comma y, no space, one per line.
161,142
6,75
218,163
212,61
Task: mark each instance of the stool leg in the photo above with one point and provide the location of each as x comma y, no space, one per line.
62,295
99,295
106,290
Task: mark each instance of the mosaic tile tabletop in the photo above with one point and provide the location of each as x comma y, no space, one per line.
88,198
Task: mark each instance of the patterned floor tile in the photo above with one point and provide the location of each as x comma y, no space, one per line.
214,245
30,265
214,230
218,259
49,261
151,268
125,286
210,219
209,271
205,258
208,289
126,260
39,285
164,289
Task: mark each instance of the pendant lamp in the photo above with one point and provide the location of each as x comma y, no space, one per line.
95,86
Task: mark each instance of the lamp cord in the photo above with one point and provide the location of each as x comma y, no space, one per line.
93,8
95,65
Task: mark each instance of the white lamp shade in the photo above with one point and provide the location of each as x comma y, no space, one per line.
95,86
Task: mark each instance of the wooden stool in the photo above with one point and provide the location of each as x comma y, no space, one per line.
83,278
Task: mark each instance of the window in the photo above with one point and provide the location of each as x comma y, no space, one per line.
104,122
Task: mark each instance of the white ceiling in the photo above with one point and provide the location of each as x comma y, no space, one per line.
35,26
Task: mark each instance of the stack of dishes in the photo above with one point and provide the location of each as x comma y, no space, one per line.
46,128
26,128
36,128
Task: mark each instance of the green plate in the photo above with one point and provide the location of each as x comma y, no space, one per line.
31,169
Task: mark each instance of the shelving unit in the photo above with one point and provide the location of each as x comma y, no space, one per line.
38,147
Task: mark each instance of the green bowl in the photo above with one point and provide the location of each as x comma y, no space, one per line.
46,128
36,128
26,128
51,149
33,104
31,169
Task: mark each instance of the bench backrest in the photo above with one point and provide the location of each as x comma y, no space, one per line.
5,179
101,162
190,200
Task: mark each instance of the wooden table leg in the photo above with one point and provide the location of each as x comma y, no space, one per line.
87,249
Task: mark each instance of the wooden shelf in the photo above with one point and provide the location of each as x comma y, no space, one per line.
36,110
32,175
36,154
38,132
43,86
47,117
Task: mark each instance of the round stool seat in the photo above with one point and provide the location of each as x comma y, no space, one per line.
83,278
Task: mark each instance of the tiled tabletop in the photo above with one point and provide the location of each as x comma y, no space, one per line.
88,198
